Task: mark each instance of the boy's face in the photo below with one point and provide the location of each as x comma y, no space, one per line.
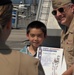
36,37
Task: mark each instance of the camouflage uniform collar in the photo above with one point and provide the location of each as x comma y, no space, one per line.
71,27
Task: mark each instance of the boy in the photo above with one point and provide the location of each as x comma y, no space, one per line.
36,33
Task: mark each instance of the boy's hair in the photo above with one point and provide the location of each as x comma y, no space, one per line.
37,25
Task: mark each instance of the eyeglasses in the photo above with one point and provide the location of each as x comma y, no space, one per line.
61,10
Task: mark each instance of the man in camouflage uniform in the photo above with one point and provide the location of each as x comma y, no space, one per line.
63,10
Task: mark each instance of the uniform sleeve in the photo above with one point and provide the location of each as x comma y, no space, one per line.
28,65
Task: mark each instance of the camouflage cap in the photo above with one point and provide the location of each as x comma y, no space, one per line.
59,3
4,2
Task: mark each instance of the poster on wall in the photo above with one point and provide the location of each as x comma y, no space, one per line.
51,60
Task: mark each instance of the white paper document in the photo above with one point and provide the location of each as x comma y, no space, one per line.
51,60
